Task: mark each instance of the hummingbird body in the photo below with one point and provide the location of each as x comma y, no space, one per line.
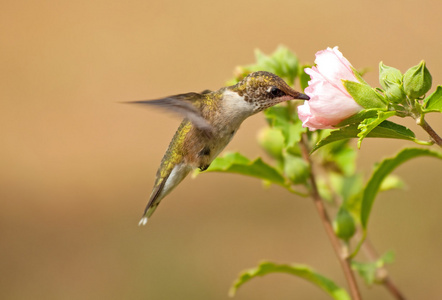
211,120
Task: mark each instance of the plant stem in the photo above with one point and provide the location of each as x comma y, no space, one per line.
383,273
434,136
342,257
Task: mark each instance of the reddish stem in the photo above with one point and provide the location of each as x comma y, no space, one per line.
343,260
434,136
386,279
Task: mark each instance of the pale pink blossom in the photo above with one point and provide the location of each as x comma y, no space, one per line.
329,103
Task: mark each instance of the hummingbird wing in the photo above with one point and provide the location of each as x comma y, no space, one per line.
184,105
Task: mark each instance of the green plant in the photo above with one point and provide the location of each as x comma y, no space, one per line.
321,164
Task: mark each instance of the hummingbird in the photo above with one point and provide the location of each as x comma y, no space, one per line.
211,119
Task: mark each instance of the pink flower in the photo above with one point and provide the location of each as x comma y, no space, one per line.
329,103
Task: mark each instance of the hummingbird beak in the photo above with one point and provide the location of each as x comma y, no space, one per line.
301,96
295,94
292,95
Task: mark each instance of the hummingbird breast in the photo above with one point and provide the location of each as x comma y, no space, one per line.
200,151
224,112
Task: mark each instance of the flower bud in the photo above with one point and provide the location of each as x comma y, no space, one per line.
296,169
417,81
388,76
344,225
272,140
394,91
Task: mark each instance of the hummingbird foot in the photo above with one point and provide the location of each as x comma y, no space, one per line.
203,168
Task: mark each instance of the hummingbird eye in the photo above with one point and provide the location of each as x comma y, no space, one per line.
275,92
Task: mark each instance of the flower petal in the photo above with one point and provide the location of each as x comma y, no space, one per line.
311,121
334,67
326,101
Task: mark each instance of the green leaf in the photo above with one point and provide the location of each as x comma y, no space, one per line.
301,271
346,160
360,116
293,133
239,164
324,189
380,173
346,186
349,188
282,62
364,95
392,182
368,271
392,130
304,78
339,157
343,133
369,124
279,118
388,257
433,103
287,64
386,129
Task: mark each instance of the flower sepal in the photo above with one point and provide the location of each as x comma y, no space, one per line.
358,75
364,95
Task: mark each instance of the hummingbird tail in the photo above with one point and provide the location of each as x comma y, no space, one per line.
143,221
147,214
154,201
163,187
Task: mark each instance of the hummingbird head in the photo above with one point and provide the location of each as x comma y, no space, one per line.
263,89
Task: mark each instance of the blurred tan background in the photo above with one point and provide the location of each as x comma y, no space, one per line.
77,166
